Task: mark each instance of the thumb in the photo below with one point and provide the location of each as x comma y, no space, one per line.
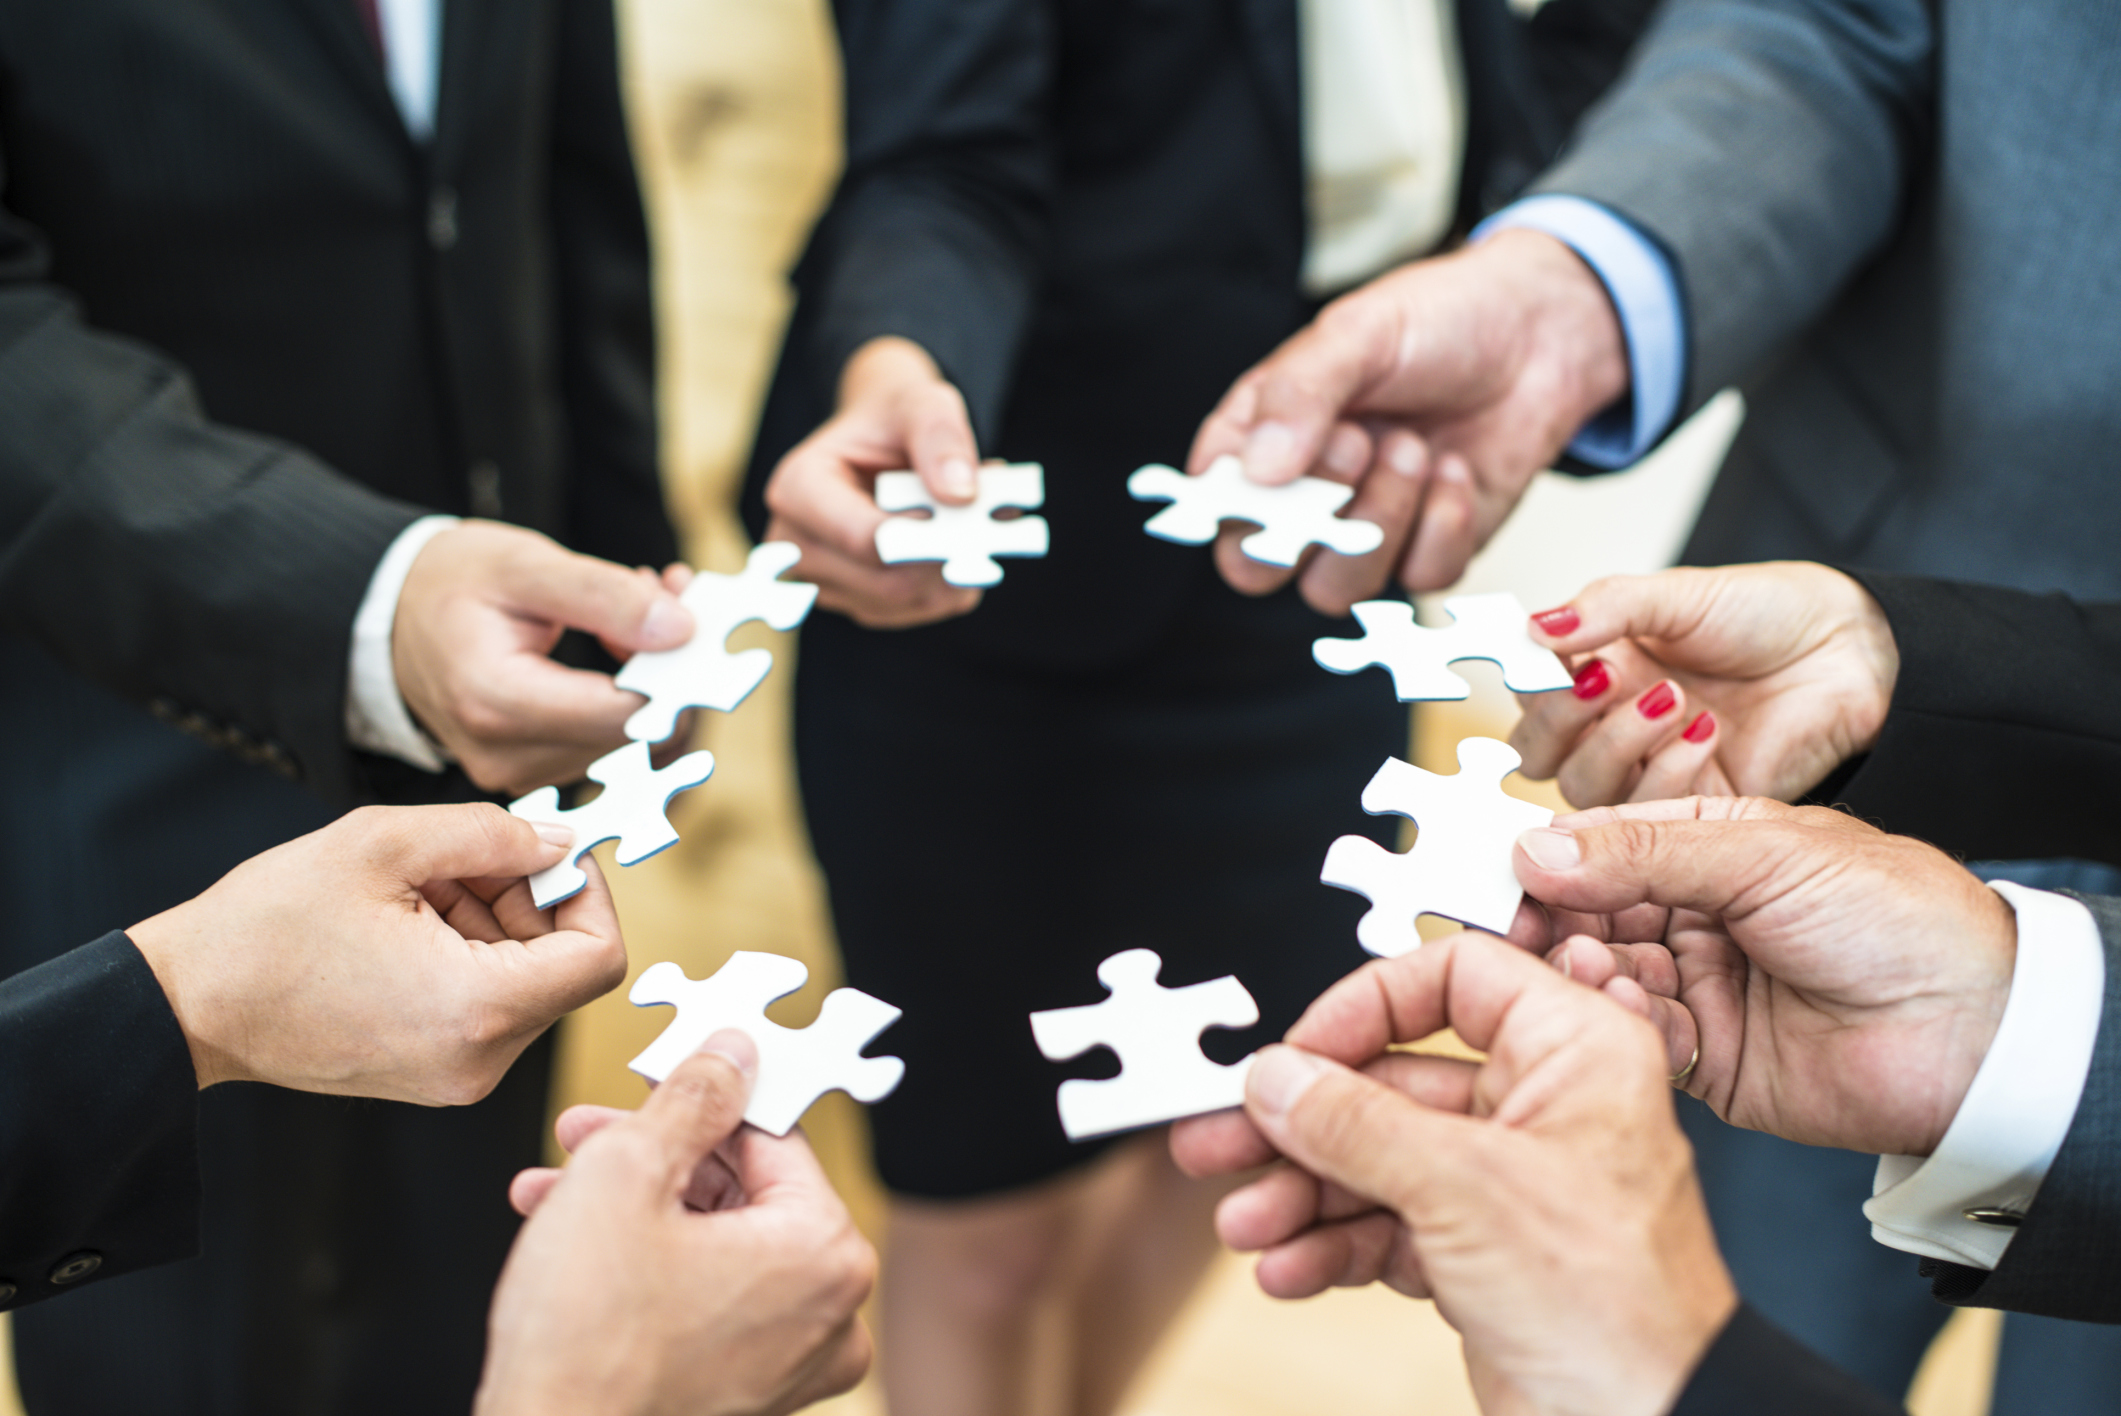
699,1105
630,612
463,841
1351,1130
1668,605
1712,866
1305,388
939,441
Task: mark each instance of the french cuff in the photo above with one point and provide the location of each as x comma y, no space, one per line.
1962,1204
1645,293
376,716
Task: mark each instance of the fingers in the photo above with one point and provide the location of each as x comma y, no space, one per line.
1668,605
1220,1143
697,1107
1448,534
622,608
1389,495
1636,858
578,1123
1349,1129
938,434
1353,1253
1607,762
530,1187
1297,396
419,844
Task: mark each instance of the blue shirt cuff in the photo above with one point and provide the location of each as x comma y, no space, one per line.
1644,291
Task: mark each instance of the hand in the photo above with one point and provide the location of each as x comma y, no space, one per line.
895,411
1544,1197
683,1262
1438,391
1843,985
481,610
393,954
1762,680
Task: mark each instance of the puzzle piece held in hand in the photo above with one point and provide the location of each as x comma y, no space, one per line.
629,810
796,1065
1290,517
1418,658
1460,864
701,672
1156,1032
966,539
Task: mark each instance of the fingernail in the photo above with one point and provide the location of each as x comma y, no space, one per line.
1405,457
1659,701
1268,451
666,625
1558,956
1556,623
1701,728
1550,849
1280,1077
741,1051
552,833
1455,469
957,477
1591,680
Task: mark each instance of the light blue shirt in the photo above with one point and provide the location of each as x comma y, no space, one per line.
1645,292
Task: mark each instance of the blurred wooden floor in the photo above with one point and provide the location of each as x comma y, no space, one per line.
736,123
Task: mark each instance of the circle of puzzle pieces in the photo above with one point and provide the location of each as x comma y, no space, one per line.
1459,866
1156,1031
630,810
796,1065
701,672
1290,516
1418,658
966,539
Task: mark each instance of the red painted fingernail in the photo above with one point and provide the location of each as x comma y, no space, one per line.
1558,622
1591,680
1700,729
1659,701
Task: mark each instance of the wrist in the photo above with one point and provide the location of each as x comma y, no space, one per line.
1572,340
168,942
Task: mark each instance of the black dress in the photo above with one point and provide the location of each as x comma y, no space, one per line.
1091,214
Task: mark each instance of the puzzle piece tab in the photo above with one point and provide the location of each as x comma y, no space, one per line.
629,810
1460,864
701,672
1482,627
1290,517
966,539
1156,1032
796,1065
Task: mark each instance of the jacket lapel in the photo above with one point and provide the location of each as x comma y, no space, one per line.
1270,31
339,34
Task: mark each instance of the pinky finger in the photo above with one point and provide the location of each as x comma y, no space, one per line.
1676,769
530,1187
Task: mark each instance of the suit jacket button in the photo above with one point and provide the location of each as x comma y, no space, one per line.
75,1267
442,219
7,1292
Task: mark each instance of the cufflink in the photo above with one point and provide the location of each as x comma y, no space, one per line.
1999,1218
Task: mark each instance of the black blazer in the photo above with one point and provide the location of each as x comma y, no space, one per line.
248,327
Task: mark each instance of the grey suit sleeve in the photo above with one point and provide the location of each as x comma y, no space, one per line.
2065,1260
208,573
937,231
1769,147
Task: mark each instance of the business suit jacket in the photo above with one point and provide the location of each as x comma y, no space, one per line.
1891,222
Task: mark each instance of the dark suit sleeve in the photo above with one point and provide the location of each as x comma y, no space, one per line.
1768,147
2065,1260
209,573
2003,740
1756,1369
606,305
937,231
99,1169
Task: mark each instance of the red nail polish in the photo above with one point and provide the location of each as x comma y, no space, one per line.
1700,729
1659,701
1591,680
1556,623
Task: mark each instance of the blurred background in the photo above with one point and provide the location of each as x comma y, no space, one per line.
736,127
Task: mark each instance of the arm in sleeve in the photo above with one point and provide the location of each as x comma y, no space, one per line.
99,1114
605,303
1756,1369
937,231
1768,146
187,566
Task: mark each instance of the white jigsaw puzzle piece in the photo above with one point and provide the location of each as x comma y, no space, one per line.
1290,517
701,672
1156,1031
1460,864
966,539
1418,658
630,810
796,1065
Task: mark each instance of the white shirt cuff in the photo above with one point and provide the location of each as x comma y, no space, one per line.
376,716
2021,1103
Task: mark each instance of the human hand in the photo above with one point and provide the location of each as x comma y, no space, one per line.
1842,985
393,954
480,612
683,1262
1544,1196
1437,391
895,411
1750,680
